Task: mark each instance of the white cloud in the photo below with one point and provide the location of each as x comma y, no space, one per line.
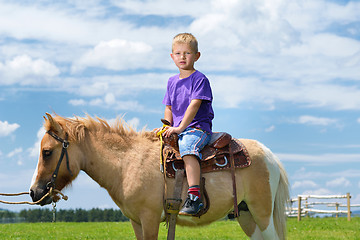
26,71
311,120
14,152
270,129
117,85
358,120
355,199
134,123
7,128
115,91
320,191
304,184
116,54
284,48
77,102
109,100
326,158
55,22
116,104
15,182
16,156
164,7
94,87
338,182
97,102
322,45
304,174
290,63
34,151
233,92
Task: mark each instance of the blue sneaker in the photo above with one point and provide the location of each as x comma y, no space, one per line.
192,206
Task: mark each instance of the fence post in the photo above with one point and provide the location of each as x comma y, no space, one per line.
299,209
348,206
337,209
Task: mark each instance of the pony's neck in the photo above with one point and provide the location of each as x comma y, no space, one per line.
104,159
117,162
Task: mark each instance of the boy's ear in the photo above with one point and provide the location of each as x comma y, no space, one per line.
197,56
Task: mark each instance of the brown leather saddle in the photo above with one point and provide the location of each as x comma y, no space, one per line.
222,153
216,155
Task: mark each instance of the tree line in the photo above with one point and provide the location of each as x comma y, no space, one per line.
69,215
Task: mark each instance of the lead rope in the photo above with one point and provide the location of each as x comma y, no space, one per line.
159,134
163,170
54,211
50,192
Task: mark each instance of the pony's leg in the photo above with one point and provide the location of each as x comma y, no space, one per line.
146,230
270,231
137,229
150,222
249,226
263,220
150,230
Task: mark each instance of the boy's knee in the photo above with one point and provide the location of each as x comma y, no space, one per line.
190,158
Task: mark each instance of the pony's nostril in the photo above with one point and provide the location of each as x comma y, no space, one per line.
32,194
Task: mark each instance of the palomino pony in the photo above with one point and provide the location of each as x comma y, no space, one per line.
126,164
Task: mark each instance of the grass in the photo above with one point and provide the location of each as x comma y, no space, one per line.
308,228
324,228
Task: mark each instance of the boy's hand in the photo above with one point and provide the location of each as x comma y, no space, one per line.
156,130
171,130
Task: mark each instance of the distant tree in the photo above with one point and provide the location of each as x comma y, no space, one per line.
95,215
36,215
69,215
7,216
81,215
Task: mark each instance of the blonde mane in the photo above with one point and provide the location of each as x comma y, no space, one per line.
76,128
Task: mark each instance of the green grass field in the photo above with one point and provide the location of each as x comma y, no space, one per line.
308,228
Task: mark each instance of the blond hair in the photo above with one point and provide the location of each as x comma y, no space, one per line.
186,38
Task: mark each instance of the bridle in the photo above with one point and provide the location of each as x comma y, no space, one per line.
65,145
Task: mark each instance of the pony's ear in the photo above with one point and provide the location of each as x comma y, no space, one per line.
54,125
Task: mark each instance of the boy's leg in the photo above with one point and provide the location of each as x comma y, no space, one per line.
191,141
192,168
193,203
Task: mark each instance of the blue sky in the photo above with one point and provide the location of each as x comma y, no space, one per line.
286,73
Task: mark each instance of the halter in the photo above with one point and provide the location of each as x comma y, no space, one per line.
65,145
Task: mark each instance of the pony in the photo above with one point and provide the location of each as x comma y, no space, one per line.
126,163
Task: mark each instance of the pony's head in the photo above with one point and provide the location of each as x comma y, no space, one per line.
59,160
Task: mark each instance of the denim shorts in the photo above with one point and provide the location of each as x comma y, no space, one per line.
192,141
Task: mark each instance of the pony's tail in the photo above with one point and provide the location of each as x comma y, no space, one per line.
281,202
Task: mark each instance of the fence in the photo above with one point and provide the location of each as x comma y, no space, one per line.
307,207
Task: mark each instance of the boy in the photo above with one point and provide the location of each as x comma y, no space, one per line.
188,108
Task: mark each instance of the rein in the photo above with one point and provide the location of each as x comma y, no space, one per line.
65,145
49,193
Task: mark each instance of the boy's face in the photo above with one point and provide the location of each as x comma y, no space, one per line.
183,56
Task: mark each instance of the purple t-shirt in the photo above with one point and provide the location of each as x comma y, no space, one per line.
179,94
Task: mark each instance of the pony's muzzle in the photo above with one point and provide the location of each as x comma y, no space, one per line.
36,193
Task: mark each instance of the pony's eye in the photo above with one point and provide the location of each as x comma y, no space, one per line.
46,153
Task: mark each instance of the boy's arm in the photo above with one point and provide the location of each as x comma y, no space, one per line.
190,113
168,114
